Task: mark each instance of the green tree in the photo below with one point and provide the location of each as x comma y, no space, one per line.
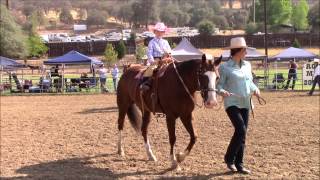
121,49
220,21
171,14
141,51
28,9
314,18
299,15
110,55
65,16
205,27
96,17
296,44
251,28
13,41
145,12
278,11
33,23
125,13
36,47
200,14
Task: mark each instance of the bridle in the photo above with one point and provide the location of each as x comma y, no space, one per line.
200,73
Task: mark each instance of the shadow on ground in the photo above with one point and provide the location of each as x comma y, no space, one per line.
99,110
80,169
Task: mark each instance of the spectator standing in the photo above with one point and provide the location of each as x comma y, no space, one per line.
115,74
292,74
103,78
316,76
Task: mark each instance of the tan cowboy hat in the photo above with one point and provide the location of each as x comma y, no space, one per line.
237,42
160,27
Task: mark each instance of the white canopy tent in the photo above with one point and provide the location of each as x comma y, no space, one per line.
186,51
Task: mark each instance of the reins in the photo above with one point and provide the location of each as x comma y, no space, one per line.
185,87
261,101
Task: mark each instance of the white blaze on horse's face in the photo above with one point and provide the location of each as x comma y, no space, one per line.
212,95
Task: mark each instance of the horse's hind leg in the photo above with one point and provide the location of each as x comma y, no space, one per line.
187,122
144,131
121,117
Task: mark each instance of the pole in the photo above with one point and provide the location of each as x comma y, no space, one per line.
265,28
7,4
265,41
254,11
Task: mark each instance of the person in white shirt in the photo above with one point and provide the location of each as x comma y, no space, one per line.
316,76
103,77
115,74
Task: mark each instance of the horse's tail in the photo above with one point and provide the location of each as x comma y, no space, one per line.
134,117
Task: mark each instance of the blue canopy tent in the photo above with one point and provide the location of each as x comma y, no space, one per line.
73,58
293,53
9,64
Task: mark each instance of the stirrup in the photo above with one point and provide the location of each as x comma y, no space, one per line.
144,87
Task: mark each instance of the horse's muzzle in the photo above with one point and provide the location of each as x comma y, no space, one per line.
210,104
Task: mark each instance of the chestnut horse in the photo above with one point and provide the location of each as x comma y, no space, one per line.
175,92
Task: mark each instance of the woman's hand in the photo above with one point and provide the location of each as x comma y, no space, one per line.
257,93
225,93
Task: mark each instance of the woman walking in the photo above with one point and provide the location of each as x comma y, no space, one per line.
236,86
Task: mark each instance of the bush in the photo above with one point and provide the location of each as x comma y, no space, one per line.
121,49
141,51
296,43
110,55
36,47
251,28
205,27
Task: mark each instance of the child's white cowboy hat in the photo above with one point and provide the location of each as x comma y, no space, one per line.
237,42
160,27
316,60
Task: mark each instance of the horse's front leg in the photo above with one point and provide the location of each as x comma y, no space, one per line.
187,122
171,125
144,131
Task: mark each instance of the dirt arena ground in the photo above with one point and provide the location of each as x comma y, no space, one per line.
75,137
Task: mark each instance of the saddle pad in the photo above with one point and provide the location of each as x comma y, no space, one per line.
140,73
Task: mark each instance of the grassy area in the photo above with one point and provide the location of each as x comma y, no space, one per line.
36,78
298,85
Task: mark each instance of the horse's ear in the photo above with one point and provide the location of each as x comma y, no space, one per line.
204,58
218,61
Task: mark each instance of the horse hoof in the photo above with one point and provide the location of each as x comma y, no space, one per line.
180,157
175,166
153,158
121,153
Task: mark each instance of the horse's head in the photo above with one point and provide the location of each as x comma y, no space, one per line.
208,75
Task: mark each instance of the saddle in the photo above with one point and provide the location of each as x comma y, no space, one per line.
158,72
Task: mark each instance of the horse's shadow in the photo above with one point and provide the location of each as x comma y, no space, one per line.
73,168
99,110
80,168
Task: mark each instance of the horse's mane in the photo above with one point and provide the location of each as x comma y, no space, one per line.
187,66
